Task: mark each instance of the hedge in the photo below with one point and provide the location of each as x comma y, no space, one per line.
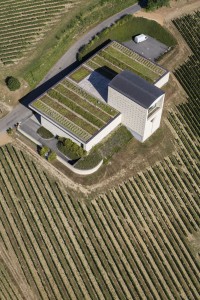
44,133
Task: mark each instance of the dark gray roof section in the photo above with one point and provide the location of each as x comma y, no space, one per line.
136,88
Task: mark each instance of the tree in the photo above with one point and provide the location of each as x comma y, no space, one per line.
12,83
52,156
43,151
154,4
9,130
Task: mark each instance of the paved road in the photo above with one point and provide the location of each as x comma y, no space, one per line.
66,64
70,56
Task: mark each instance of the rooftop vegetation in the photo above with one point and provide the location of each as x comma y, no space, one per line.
74,109
117,57
80,74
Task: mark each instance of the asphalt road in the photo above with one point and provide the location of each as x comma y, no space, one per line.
64,65
70,56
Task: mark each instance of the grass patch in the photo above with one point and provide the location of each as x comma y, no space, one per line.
106,149
88,162
44,133
124,30
74,23
80,74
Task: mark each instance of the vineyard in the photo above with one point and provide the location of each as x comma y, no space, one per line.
139,240
23,23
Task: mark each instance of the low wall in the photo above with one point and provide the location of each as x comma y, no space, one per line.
79,171
163,80
75,170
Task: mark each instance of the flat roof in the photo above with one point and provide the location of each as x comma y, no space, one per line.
136,88
74,109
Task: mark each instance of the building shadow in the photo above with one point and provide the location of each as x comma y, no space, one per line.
100,79
41,89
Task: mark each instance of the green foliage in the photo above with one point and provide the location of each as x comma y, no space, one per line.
89,16
52,156
70,149
90,161
154,4
80,74
106,149
9,131
12,83
74,107
44,133
124,30
44,151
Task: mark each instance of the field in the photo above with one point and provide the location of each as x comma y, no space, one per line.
74,109
24,24
116,57
138,240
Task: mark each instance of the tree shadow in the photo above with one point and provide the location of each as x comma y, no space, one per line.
143,3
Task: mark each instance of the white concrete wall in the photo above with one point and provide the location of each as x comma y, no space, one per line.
56,130
162,81
153,122
79,171
103,133
29,136
133,115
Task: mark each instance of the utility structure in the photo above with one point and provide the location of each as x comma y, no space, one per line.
140,102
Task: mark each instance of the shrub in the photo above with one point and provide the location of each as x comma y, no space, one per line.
44,133
44,151
154,4
52,156
9,130
12,83
70,149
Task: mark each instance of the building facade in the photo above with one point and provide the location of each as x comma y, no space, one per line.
140,103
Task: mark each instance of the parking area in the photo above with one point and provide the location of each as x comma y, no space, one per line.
150,48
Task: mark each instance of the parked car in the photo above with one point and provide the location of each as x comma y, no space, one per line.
140,38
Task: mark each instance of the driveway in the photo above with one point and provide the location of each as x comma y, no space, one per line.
30,127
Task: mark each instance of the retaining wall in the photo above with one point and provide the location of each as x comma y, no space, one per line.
79,171
75,170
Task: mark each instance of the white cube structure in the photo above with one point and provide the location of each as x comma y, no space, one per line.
140,102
